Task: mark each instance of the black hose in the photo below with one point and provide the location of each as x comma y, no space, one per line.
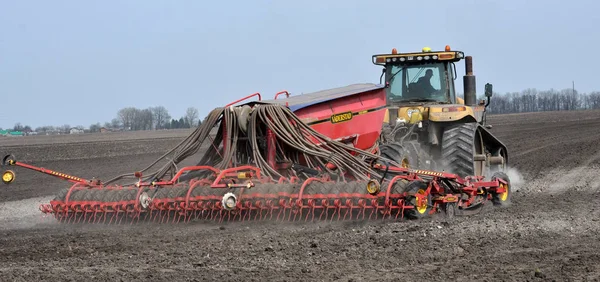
293,139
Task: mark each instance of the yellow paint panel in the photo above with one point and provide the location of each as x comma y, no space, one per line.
386,118
413,115
436,113
441,56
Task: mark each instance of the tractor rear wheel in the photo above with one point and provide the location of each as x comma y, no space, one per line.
462,150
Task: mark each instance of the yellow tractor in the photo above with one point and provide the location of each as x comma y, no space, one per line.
426,125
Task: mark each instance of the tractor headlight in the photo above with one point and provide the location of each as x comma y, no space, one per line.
229,201
373,187
414,116
8,177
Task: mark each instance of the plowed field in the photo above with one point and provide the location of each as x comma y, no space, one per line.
550,232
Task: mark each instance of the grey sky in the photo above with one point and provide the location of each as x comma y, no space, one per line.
78,62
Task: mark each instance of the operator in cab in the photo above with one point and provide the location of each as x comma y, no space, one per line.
424,84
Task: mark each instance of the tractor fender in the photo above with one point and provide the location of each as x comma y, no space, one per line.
491,141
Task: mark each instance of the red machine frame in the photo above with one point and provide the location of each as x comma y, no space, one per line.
244,178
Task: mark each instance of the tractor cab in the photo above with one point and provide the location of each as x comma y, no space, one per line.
425,77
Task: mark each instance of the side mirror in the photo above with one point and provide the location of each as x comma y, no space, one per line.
488,90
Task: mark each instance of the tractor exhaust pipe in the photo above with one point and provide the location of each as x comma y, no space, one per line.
469,83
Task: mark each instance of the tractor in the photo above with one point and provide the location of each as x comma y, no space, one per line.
427,125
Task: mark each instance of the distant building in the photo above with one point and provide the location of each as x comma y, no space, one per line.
75,130
104,129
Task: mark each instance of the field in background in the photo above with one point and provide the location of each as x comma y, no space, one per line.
92,137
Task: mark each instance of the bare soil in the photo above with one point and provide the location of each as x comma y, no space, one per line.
549,233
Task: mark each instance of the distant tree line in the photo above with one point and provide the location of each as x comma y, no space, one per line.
63,129
132,118
532,100
129,118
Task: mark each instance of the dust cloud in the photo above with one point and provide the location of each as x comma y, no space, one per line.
23,214
517,181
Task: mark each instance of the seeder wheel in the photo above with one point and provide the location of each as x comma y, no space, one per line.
421,208
502,199
450,210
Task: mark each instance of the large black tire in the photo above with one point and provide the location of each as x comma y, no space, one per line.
398,153
460,144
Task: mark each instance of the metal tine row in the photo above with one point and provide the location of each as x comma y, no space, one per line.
248,210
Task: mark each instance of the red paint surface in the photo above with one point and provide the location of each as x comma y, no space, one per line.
366,127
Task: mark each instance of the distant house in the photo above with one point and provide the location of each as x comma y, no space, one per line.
75,130
104,129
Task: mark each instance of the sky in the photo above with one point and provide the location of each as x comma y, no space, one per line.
79,62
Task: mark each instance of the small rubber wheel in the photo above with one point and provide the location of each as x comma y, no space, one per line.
502,199
450,210
8,160
421,209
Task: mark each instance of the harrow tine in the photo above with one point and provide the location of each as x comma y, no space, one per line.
148,217
72,216
112,217
176,216
81,216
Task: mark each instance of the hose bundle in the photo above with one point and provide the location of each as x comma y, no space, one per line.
244,132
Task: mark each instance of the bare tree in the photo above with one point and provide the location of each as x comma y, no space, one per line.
191,116
161,117
95,127
45,129
594,98
145,119
64,128
127,117
18,127
115,123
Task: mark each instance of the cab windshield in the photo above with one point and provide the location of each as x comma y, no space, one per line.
419,83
